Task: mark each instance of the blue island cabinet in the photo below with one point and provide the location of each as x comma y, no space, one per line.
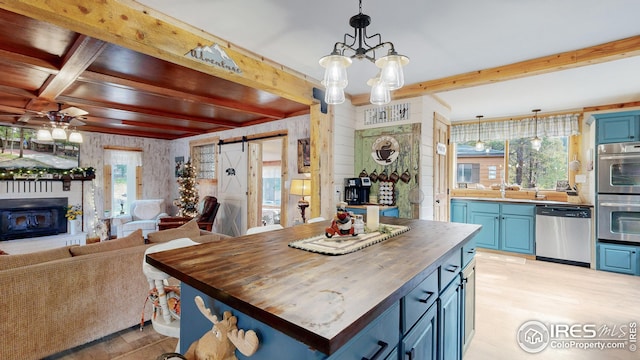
378,340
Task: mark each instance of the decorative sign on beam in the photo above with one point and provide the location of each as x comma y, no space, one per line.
387,113
215,56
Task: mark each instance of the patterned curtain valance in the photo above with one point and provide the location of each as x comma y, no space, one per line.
557,125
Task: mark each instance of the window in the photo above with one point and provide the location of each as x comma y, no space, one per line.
468,173
538,169
508,155
492,171
204,160
125,168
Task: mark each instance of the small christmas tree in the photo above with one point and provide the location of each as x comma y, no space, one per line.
188,201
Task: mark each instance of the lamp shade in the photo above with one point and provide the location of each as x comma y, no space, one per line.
75,137
59,134
335,73
300,187
43,135
334,95
392,74
380,93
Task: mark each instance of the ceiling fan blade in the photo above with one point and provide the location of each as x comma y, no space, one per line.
76,122
24,118
74,111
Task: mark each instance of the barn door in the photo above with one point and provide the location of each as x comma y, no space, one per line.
232,191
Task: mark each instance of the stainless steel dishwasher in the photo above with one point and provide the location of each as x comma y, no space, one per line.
563,234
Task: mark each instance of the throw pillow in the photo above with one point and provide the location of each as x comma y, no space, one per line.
3,253
133,239
19,260
188,230
207,238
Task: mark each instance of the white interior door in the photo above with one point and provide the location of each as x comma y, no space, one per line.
232,189
441,157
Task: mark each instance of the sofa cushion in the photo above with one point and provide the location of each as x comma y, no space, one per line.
189,230
19,260
210,238
133,239
147,209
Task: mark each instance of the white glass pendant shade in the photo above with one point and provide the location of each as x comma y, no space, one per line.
479,146
334,95
75,137
335,73
380,94
59,134
536,143
43,135
392,74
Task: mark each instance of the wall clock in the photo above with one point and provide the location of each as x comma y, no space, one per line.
385,150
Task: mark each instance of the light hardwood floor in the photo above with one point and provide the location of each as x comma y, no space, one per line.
510,291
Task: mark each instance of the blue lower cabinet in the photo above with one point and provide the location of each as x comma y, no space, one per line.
619,258
488,237
449,341
506,227
458,211
422,341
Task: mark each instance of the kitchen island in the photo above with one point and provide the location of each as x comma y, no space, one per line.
305,305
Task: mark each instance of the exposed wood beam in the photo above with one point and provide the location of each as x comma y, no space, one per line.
136,110
18,92
191,131
627,105
126,132
96,78
139,28
29,61
82,54
613,50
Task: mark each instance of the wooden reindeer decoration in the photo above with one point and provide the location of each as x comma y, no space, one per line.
224,338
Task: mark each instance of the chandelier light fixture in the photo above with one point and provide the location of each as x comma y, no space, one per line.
390,77
59,123
536,142
479,143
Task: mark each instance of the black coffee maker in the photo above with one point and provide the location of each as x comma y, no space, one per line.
356,190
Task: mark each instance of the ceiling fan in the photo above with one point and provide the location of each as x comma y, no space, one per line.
63,118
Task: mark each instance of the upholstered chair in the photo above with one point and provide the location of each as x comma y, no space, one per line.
143,214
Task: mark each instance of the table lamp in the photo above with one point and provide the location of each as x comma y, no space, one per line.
301,187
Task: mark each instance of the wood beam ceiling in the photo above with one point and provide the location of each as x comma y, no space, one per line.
613,50
139,28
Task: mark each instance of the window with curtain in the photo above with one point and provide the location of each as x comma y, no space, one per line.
203,157
125,168
524,166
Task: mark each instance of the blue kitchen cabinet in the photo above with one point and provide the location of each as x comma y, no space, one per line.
422,341
506,227
449,341
619,258
486,214
617,127
458,211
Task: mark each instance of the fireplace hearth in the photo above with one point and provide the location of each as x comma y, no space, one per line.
27,218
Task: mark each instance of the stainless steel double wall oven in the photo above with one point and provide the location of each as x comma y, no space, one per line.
619,192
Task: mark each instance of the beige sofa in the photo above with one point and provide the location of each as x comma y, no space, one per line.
58,299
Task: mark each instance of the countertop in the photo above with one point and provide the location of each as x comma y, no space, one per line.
319,300
523,201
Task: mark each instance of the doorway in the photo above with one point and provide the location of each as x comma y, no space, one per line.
267,176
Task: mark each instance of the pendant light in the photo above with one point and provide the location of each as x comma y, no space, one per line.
536,142
479,144
357,46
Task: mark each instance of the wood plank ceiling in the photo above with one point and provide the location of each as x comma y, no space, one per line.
125,92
